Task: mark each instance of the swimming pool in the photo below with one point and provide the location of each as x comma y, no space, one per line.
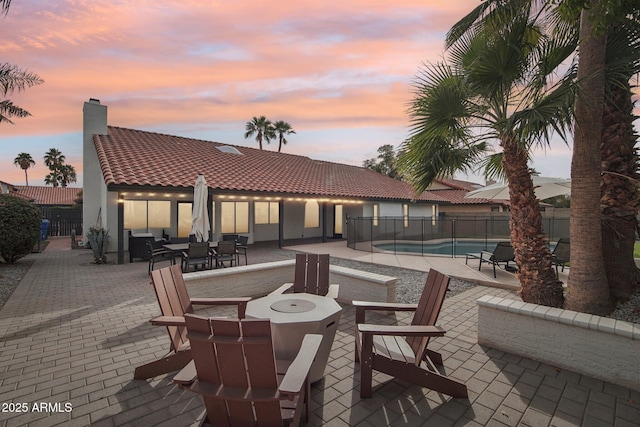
459,247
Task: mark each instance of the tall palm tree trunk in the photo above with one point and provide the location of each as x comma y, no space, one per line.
620,199
538,282
26,178
588,289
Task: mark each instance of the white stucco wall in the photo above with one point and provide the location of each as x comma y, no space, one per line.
94,189
599,347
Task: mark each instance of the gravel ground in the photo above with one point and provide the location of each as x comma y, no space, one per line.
408,288
10,276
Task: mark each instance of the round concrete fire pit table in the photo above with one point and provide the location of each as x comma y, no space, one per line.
292,317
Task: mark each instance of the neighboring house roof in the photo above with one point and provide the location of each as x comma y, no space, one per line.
54,196
455,190
137,158
6,188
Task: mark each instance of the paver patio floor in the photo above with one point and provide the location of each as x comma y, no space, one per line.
73,332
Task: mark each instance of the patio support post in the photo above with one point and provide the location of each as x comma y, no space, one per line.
120,230
324,222
281,224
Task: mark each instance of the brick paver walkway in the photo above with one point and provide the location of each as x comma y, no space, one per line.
73,332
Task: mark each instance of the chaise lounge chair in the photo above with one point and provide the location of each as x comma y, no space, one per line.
561,254
503,253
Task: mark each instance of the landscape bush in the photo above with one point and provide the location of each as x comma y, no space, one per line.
20,223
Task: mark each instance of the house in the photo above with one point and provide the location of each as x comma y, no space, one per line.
50,196
137,181
58,204
6,188
454,192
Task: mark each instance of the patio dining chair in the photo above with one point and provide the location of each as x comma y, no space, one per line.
401,350
157,253
175,302
241,248
226,251
238,377
197,255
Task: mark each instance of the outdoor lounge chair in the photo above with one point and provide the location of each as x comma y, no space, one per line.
561,254
197,255
311,276
237,374
401,351
503,253
174,304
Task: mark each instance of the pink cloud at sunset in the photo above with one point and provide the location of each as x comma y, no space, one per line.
339,71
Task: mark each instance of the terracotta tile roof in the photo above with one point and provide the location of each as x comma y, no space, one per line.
455,190
459,184
134,157
57,196
6,188
456,197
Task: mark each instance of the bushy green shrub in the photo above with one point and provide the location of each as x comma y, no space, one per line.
20,223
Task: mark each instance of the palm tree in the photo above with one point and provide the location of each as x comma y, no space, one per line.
14,79
619,204
493,90
67,175
53,159
620,198
588,289
53,178
25,161
261,127
282,128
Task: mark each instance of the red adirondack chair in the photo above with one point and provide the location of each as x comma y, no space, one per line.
311,276
175,303
401,351
237,373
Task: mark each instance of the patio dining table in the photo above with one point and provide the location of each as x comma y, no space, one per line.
177,248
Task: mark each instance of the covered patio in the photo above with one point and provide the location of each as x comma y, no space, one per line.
73,332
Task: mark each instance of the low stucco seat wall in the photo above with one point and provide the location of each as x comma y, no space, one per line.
260,279
591,345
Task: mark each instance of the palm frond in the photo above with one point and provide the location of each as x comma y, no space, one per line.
14,79
492,167
8,110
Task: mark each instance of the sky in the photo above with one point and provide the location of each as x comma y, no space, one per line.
340,72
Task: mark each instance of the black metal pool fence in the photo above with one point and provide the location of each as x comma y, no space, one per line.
395,233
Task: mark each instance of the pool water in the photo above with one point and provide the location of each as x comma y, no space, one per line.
440,248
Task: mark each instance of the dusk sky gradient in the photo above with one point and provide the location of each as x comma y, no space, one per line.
339,71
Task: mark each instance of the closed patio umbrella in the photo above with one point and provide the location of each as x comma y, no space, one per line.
544,188
200,215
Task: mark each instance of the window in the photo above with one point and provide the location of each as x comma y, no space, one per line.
145,214
267,212
184,219
337,219
405,215
234,217
311,214
159,213
375,215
